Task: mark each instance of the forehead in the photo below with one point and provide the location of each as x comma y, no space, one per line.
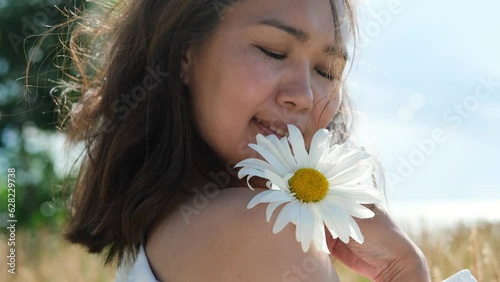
312,16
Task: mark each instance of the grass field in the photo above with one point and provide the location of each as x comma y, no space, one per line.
448,250
43,256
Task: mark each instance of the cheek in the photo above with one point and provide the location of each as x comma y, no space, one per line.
244,76
229,86
229,92
251,75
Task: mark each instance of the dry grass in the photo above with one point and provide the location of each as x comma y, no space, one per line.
43,256
475,248
448,250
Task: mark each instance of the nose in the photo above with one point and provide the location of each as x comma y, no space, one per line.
295,93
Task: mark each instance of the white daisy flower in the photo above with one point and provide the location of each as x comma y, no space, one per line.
320,188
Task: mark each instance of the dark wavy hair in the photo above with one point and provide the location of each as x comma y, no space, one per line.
131,110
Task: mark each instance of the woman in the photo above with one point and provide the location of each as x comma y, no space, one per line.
176,91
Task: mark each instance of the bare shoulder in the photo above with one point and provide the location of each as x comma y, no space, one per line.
214,237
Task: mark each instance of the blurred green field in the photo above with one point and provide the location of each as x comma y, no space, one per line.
43,256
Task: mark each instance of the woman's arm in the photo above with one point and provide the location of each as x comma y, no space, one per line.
226,242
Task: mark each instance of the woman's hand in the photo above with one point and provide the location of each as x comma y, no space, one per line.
387,253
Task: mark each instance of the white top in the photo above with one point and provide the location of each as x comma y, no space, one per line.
462,276
137,271
140,271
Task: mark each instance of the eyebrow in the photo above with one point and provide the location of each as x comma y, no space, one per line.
303,36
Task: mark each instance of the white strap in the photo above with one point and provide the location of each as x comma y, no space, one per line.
136,271
462,276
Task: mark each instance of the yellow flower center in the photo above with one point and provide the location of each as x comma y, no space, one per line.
309,185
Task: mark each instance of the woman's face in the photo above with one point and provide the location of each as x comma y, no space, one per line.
266,66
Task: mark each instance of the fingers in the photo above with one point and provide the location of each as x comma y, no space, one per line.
345,255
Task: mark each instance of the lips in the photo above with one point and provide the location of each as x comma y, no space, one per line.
268,128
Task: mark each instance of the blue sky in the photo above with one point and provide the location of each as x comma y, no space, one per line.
420,72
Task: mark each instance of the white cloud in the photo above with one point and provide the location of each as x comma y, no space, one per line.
444,213
490,111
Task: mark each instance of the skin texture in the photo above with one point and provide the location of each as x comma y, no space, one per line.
232,81
246,71
227,242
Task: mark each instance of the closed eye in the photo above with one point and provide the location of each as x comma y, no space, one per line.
281,57
272,54
325,75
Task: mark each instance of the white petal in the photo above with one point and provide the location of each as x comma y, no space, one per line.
276,187
286,215
288,176
286,147
272,206
319,144
257,199
297,141
306,225
362,212
360,193
353,159
267,144
319,237
353,153
352,207
355,174
355,231
284,150
344,231
248,171
277,195
298,229
254,163
339,219
277,180
270,158
327,216
335,153
357,167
